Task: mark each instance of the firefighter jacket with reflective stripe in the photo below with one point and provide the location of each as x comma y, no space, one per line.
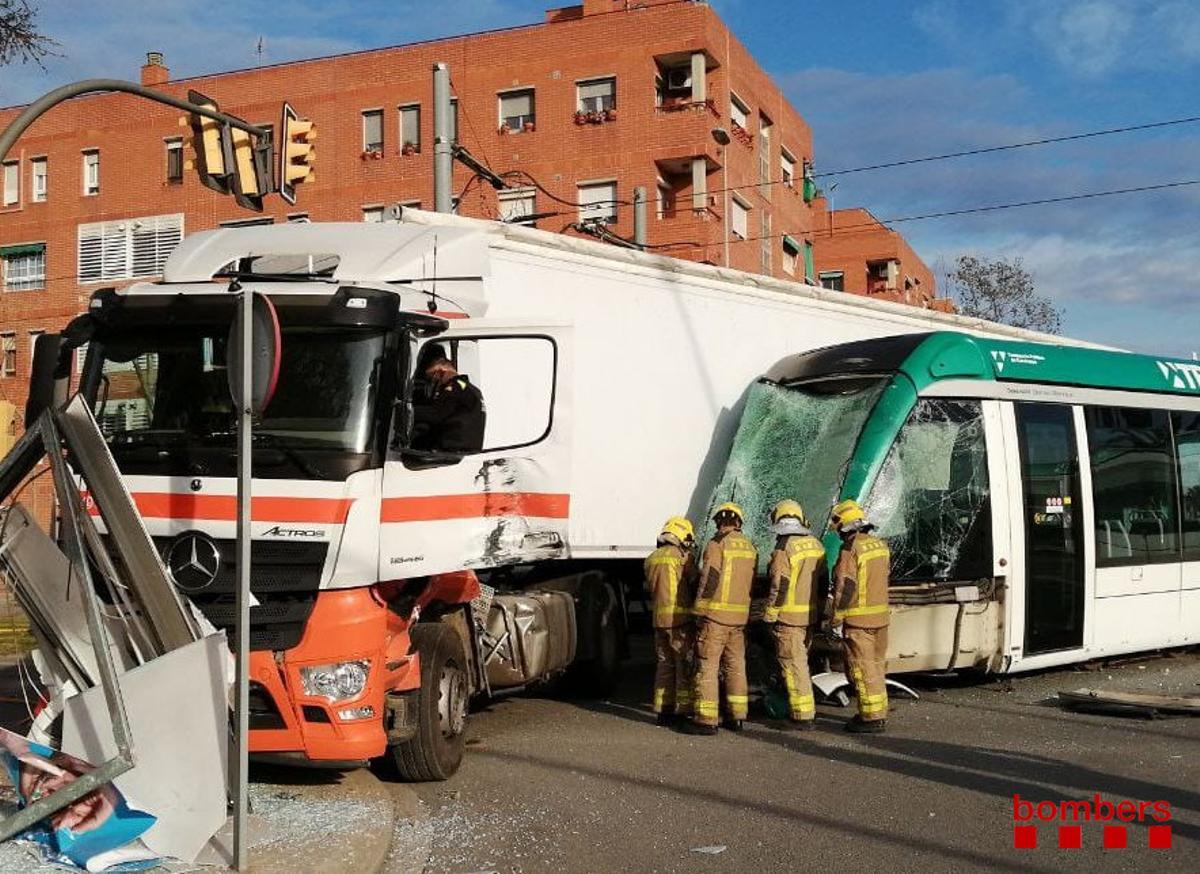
797,574
860,582
726,575
671,585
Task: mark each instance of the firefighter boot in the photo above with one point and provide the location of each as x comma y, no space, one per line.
858,725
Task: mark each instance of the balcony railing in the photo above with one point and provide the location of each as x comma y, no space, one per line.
684,104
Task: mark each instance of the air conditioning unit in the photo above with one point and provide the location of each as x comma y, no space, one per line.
679,79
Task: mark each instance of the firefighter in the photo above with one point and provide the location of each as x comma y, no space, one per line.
797,575
722,608
860,607
671,585
454,416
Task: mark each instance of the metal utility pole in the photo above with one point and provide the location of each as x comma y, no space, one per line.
639,216
443,140
245,432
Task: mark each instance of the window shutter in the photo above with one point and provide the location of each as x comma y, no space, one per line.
129,248
517,104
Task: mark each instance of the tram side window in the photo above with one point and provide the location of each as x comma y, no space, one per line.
1133,486
932,498
1187,445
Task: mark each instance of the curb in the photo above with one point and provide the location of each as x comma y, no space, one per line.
345,825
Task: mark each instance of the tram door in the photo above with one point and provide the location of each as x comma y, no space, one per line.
1053,519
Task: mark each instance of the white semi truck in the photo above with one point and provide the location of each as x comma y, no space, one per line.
392,584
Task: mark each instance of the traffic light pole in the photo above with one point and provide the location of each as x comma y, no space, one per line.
43,104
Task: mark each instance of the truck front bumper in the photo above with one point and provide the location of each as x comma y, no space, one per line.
349,625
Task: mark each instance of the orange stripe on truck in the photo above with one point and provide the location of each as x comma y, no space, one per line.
439,507
223,508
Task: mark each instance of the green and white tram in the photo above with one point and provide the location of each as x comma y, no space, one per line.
1042,502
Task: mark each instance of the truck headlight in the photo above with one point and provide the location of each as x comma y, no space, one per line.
337,682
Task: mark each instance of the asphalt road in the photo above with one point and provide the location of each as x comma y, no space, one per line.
565,786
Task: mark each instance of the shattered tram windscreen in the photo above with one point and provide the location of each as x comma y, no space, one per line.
793,442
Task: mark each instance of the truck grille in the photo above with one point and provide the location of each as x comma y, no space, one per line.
285,578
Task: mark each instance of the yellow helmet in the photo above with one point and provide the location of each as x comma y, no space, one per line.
730,507
846,512
788,507
681,528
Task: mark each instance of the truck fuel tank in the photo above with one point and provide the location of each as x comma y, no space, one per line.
530,636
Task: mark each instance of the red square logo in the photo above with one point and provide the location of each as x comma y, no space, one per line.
1025,837
1116,837
1070,837
1160,837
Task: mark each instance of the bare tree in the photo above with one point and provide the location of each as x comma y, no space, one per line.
20,39
1001,291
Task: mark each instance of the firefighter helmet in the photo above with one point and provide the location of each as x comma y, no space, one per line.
845,513
788,507
681,528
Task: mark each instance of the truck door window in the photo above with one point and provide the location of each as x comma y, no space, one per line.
508,382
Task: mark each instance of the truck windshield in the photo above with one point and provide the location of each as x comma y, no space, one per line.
168,388
795,441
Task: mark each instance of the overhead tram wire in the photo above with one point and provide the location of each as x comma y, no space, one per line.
974,210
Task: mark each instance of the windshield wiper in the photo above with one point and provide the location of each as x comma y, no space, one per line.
271,441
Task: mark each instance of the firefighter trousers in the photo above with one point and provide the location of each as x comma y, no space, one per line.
865,653
673,669
791,649
720,653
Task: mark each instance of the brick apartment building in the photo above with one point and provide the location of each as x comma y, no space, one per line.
855,252
597,100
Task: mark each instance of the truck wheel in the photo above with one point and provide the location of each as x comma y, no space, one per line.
598,676
436,750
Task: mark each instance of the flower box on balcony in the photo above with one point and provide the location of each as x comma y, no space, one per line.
410,149
529,127
372,154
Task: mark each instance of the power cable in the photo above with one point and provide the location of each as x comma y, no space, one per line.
990,208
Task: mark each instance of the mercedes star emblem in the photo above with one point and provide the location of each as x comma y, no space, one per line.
193,561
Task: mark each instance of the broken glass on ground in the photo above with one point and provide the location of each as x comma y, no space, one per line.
793,442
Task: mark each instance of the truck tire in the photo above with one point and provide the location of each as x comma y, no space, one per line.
436,750
597,677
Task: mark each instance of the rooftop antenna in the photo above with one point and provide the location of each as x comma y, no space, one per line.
258,50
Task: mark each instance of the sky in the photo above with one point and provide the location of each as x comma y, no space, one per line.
878,81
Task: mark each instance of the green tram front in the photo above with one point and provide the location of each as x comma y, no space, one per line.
1042,502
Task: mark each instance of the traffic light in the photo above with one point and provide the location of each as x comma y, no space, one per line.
296,153
251,168
213,152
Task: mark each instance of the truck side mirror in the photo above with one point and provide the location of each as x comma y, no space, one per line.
43,382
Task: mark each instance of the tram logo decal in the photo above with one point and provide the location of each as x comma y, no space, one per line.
1002,358
1181,374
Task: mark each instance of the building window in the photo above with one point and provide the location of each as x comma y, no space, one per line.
174,161
1133,485
597,95
372,125
787,168
516,110
791,254
765,242
297,217
664,205
91,172
764,156
12,182
372,213
127,248
410,129
738,111
41,179
598,202
833,279
739,217
8,354
24,267
517,205
454,120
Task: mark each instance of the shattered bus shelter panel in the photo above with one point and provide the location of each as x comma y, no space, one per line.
931,500
793,442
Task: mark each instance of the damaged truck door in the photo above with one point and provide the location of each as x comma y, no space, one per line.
478,506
